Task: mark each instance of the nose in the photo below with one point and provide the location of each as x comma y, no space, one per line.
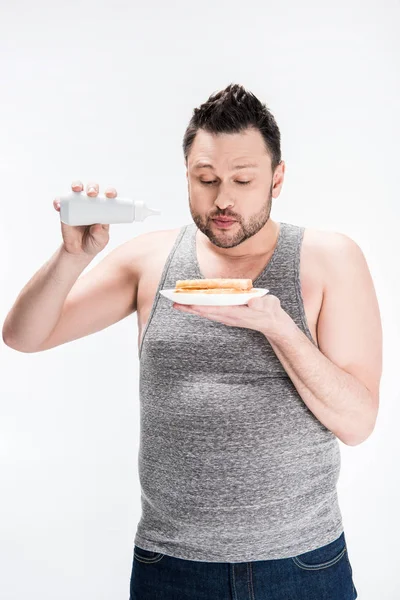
223,202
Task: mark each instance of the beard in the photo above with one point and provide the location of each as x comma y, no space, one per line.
243,230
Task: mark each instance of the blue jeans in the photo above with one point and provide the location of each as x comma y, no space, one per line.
321,574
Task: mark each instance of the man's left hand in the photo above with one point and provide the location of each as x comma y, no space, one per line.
263,314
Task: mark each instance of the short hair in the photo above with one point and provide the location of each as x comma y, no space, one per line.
233,110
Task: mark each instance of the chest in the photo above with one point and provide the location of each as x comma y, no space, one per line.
310,280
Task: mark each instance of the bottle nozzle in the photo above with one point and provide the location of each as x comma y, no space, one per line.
154,211
142,211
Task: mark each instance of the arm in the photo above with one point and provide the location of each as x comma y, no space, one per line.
38,306
55,307
339,382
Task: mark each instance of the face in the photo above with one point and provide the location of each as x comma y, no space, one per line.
225,190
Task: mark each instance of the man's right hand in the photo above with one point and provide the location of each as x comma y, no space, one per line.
85,240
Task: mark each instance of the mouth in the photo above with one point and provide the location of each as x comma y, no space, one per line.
224,223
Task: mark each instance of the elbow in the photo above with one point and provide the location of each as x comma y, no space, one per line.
7,339
357,438
359,433
5,335
10,343
354,441
18,349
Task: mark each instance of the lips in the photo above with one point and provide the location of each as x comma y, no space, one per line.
224,220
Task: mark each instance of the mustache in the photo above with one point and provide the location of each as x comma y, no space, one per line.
226,215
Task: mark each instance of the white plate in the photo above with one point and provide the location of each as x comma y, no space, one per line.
212,299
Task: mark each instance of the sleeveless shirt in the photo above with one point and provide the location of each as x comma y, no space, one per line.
232,464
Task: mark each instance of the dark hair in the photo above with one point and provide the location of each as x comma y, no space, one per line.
233,110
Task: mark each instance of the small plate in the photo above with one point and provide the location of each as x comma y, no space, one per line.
212,299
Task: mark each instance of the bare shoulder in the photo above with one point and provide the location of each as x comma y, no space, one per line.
153,237
327,241
148,246
331,253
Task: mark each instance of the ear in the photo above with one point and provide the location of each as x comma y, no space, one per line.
278,178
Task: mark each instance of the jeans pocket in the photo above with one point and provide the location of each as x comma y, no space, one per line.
147,556
323,557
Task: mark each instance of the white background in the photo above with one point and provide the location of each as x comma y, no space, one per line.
103,91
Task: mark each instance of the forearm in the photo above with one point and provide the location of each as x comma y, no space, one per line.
38,306
338,400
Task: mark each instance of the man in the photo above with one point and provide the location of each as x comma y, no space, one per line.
241,406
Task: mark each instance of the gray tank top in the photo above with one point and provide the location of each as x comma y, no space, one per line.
233,466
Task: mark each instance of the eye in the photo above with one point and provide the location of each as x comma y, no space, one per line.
210,182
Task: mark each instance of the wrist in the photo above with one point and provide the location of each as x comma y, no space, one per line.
282,326
80,258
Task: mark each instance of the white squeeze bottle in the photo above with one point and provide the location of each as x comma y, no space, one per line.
76,208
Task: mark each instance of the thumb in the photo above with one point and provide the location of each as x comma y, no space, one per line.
256,303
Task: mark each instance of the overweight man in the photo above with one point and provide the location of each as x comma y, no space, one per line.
241,407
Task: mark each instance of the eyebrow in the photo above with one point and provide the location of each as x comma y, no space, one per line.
202,165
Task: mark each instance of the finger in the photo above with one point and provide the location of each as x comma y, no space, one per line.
92,189
77,186
110,192
56,203
256,303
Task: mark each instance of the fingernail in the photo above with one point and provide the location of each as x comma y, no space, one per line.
91,189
